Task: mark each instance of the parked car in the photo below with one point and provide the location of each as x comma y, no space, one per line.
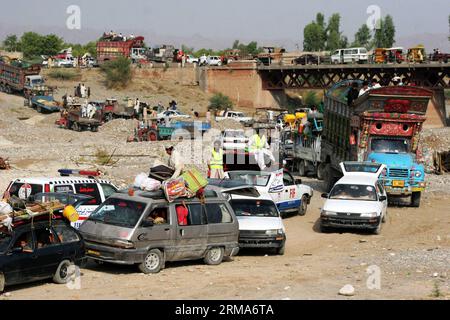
357,200
214,61
234,139
65,63
172,114
260,223
234,115
350,55
306,59
98,189
191,59
39,250
146,230
289,194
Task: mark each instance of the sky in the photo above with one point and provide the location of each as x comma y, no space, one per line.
217,19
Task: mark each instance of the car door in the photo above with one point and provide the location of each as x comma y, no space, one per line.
19,261
220,223
191,238
289,195
382,192
49,251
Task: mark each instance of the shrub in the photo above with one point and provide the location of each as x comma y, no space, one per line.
63,74
220,102
118,72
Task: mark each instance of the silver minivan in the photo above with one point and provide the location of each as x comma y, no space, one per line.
146,230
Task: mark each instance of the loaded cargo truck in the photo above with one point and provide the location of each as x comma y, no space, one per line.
133,49
381,126
18,76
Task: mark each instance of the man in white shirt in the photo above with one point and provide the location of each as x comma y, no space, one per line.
364,89
375,84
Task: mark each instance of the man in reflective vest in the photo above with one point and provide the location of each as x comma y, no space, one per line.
216,162
259,147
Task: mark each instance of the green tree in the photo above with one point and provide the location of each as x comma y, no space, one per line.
388,32
11,43
334,39
220,102
34,44
362,37
312,38
118,72
187,50
378,38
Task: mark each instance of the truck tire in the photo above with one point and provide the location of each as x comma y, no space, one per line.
329,178
415,199
39,109
320,171
301,168
2,283
280,251
109,117
153,262
76,127
303,206
94,128
214,256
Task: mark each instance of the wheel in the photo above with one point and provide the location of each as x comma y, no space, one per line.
152,135
153,262
94,129
62,273
2,283
214,256
415,199
39,109
302,168
280,250
219,63
109,117
377,230
303,206
320,171
76,126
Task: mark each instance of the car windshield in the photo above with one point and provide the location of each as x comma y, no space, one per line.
234,134
118,212
254,179
256,208
353,192
5,239
389,146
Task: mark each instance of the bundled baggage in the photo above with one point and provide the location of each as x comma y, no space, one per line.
143,182
195,181
174,188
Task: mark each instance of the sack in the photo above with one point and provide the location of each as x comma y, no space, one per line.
5,208
194,180
174,188
145,183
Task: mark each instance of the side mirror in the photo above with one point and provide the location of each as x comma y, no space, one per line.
147,223
325,195
298,181
383,198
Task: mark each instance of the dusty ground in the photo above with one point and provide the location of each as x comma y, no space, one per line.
413,251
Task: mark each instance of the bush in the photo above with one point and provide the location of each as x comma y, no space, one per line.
220,102
63,75
118,72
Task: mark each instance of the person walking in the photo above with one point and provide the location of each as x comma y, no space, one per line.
216,162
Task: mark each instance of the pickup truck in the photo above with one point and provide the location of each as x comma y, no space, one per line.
44,104
234,115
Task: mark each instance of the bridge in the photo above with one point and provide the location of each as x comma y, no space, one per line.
280,77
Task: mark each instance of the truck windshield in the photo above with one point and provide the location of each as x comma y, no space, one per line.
389,146
5,239
257,208
123,213
353,192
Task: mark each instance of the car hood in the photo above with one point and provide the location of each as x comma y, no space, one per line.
352,206
392,159
260,223
104,233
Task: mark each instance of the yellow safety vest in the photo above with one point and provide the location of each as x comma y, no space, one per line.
258,143
217,159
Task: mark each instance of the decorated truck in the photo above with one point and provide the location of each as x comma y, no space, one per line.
17,76
133,49
381,126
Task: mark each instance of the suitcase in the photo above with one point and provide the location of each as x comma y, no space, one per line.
194,180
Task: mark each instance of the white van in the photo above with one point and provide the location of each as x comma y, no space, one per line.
350,55
99,189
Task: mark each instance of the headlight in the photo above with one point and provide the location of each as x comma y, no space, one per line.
328,213
369,215
274,232
418,174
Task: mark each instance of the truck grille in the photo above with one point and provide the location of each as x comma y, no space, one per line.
398,173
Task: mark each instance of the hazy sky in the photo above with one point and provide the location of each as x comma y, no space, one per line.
245,19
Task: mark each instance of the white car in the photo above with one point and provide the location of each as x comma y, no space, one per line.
289,194
65,63
213,61
357,200
260,223
191,59
234,140
173,114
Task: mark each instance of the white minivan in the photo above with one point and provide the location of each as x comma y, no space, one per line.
350,55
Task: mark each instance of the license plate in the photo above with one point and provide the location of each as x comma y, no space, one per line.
398,183
95,253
